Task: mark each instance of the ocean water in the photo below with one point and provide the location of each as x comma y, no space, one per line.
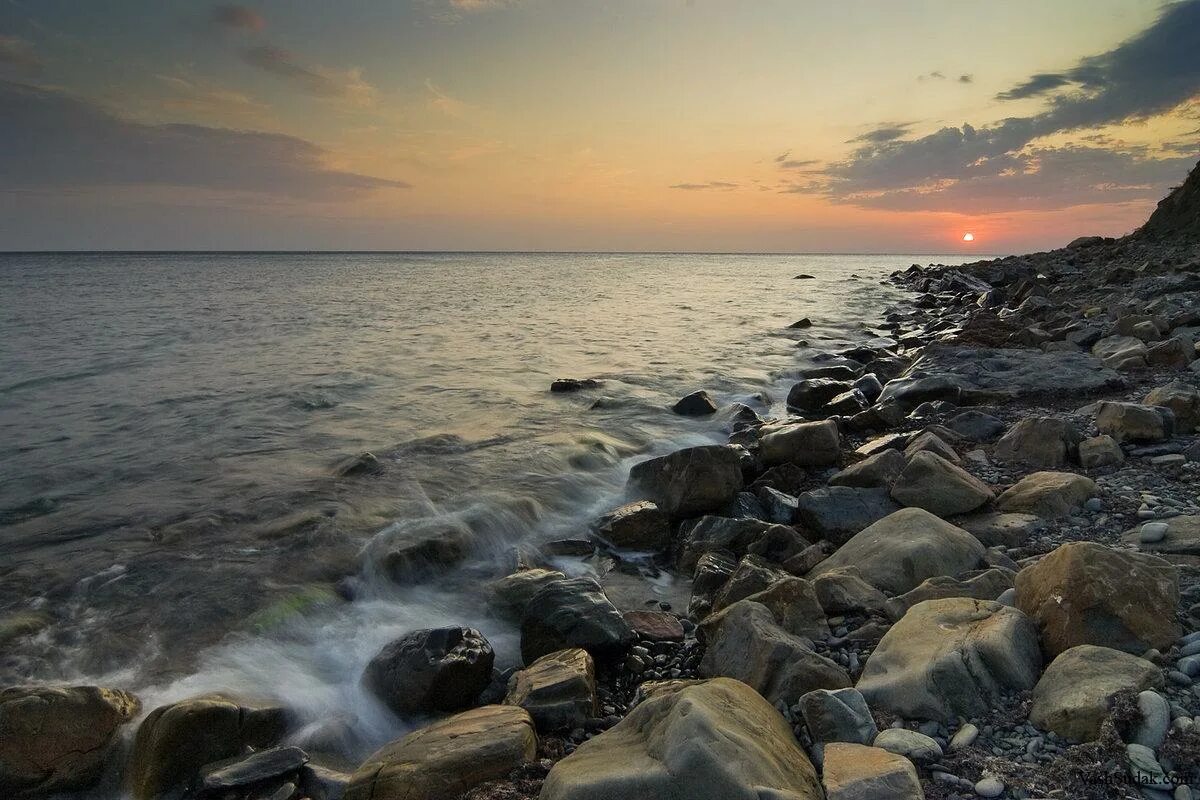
170,425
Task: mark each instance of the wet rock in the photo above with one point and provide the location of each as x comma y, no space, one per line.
1130,422
869,386
950,658
874,472
804,444
256,768
361,464
408,550
840,715
558,690
689,482
322,783
655,626
430,670
931,482
696,404
900,551
1014,372
912,745
1182,399
1047,494
733,743
572,613
777,507
55,739
976,426
1100,451
839,512
449,757
1086,593
1072,698
510,594
987,585
566,385
910,392
709,534
1001,530
858,772
637,526
1040,442
813,393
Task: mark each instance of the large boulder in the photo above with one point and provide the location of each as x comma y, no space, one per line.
1073,696
813,393
696,404
931,482
857,772
689,482
1131,422
1039,442
711,534
448,758
804,444
1086,593
573,613
874,472
793,603
837,513
708,740
746,643
950,658
638,526
431,670
901,550
510,594
998,529
174,741
558,690
56,739
1047,494
1184,402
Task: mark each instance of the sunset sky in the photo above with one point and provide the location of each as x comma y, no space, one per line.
705,125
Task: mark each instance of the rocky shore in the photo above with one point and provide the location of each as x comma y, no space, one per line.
966,564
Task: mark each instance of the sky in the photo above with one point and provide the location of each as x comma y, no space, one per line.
633,125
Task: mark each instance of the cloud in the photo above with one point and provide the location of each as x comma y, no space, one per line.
720,186
18,53
315,80
450,106
55,141
966,78
480,5
193,96
238,18
884,133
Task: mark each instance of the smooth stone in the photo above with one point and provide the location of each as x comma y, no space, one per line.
255,768
1156,719
1152,532
989,787
964,737
910,744
858,772
839,715
1073,695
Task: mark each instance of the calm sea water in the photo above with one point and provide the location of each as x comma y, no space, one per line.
170,423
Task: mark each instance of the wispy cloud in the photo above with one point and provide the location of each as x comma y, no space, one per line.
203,99
313,79
440,100
238,18
720,186
18,53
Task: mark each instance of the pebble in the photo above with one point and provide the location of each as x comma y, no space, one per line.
989,787
1094,505
1152,532
964,737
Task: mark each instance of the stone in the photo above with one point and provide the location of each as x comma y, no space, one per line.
175,741
1086,593
689,482
963,738
928,441
364,463
1122,353
710,574
1012,371
558,690
1181,537
1047,494
56,739
950,658
752,575
1073,695
1130,422
747,644
448,758
264,765
987,585
931,482
870,387
976,426
573,613
430,670
912,745
874,472
901,550
911,390
1152,532
564,385
845,592
989,786
998,529
711,533
696,404
510,594
1100,451
1039,442
858,772
1182,399
699,740
1173,353
637,526
412,549
778,507
837,513
804,444
655,626
794,605
812,393
839,715
778,543
1151,729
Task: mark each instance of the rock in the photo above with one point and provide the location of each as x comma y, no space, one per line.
844,592
655,626
1130,422
1040,442
573,613
877,471
689,482
805,444
1016,372
510,594
56,739
989,786
1152,532
321,783
812,393
910,391
1100,451
449,757
1181,537
1182,399
930,442
710,574
807,559
976,426
709,534
778,507
256,768
408,550
430,670
912,745
837,513
950,658
801,323
1145,770
696,404
1151,730
1047,494
747,644
839,715
794,605
708,740
637,526
778,543
963,738
1122,353
1001,530
175,741
900,551
846,404
1073,696
987,585
857,772
931,482
1173,353
752,575
870,387
1086,593
362,464
558,690
564,385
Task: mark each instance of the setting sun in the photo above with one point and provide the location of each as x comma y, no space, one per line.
968,237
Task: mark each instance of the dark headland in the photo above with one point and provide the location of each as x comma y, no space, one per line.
967,564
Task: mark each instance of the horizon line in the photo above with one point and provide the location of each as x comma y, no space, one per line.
118,251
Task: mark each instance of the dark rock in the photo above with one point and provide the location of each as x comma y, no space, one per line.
811,394
691,481
778,507
573,613
696,404
710,533
638,525
801,323
563,385
976,426
361,464
256,768
837,513
429,670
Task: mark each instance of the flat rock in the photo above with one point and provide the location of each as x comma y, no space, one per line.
976,426
558,690
1182,537
804,444
1015,372
858,772
655,626
837,513
264,765
1047,494
931,482
913,745
1073,696
997,529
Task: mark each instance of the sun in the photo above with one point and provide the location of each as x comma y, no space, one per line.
968,237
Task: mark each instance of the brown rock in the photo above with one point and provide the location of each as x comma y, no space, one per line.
1073,696
657,626
857,772
558,690
1047,494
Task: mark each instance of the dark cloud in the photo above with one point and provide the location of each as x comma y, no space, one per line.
315,80
697,187
238,18
54,141
884,133
16,52
936,75
966,78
